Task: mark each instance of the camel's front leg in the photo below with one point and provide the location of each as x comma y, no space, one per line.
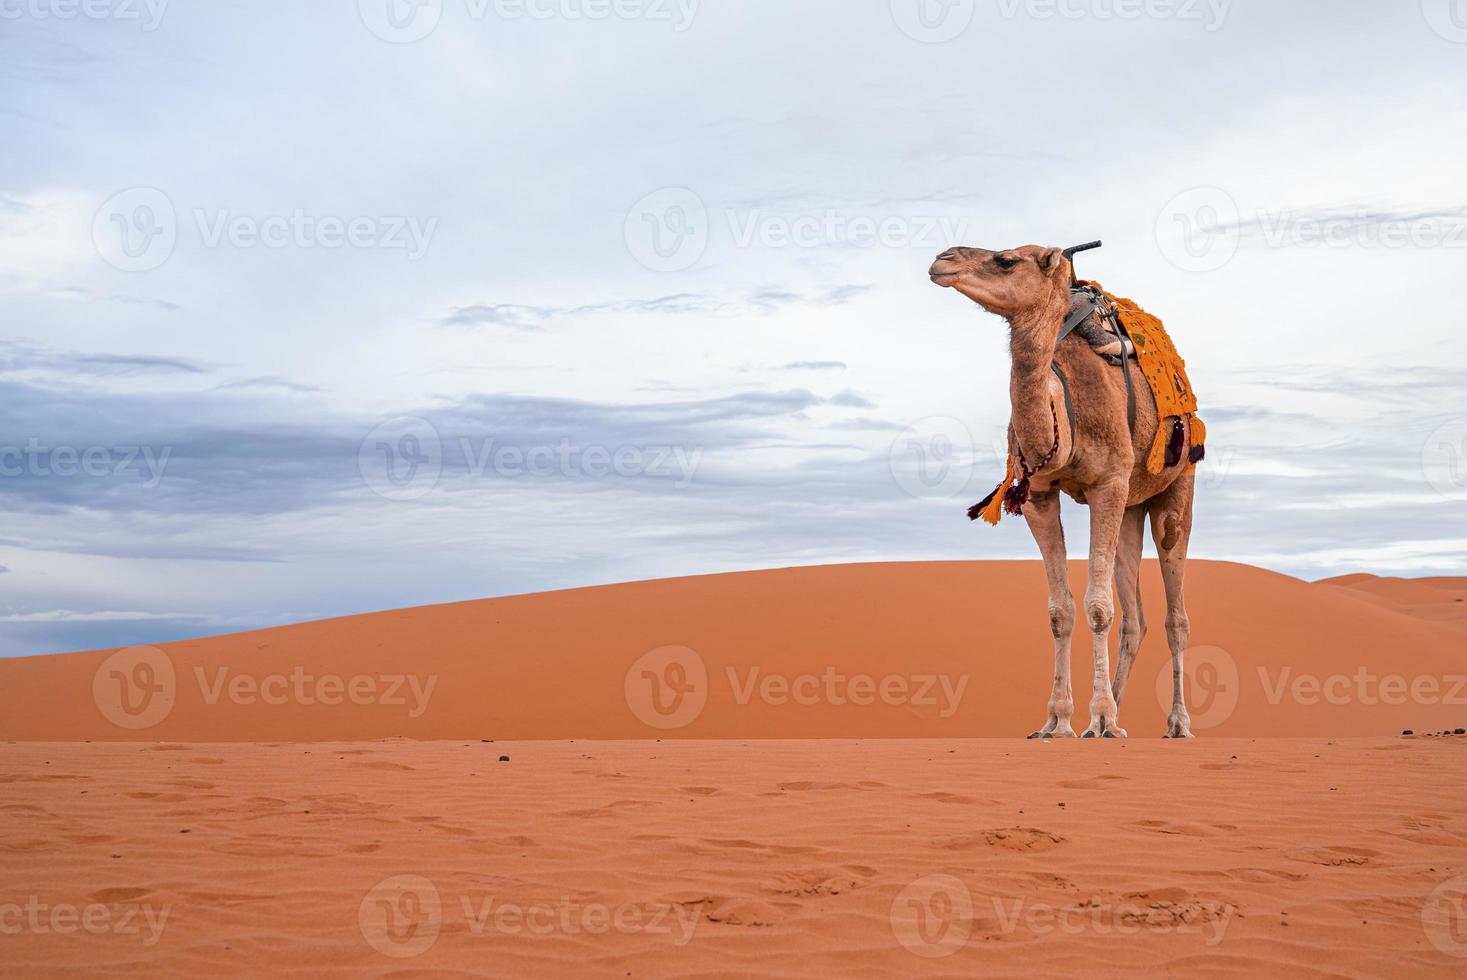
1107,509
1043,514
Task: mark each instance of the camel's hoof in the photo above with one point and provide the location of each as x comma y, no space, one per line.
1179,735
1099,729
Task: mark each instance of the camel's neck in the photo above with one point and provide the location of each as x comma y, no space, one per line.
1031,346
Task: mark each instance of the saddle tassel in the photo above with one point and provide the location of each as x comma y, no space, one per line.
990,508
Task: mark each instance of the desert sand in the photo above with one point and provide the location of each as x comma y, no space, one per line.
812,771
1223,857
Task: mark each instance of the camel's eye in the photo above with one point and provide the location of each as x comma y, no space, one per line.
1006,262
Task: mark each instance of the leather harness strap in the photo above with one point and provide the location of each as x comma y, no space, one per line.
1069,401
1092,304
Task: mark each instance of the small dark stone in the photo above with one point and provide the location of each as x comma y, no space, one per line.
1460,731
1408,732
185,830
488,741
504,758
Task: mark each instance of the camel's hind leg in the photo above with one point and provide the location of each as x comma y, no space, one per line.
1171,529
1128,592
1043,514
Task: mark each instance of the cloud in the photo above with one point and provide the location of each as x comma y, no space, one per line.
282,384
101,616
16,357
121,299
815,366
762,301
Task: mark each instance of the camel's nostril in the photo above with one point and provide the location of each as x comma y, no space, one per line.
951,253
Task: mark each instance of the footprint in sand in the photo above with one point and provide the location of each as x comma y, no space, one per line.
1336,856
940,797
1023,839
114,896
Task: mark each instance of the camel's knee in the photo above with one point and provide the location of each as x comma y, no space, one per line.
1133,631
1178,628
1062,617
1100,611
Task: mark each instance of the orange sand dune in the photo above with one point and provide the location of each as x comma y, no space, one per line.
1441,599
947,649
875,859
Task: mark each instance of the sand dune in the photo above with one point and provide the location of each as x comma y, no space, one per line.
919,650
1442,600
875,859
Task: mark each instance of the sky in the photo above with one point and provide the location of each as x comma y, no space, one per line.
309,309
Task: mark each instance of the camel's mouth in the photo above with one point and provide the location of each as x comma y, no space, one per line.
944,272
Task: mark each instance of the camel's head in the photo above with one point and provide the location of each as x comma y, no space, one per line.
1009,283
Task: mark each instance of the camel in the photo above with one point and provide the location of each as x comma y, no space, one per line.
1099,460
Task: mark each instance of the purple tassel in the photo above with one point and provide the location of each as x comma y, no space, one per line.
1016,496
1174,444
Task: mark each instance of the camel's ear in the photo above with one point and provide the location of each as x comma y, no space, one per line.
1049,259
